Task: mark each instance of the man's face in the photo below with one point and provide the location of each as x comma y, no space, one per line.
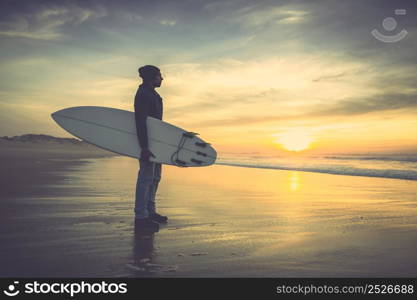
158,80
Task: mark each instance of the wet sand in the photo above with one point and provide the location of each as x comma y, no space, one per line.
27,166
75,219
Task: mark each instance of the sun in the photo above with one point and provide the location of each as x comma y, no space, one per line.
295,140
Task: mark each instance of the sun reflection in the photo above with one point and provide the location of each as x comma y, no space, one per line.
294,181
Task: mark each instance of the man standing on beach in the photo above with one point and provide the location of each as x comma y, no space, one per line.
147,103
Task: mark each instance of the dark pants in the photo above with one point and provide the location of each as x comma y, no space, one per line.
146,186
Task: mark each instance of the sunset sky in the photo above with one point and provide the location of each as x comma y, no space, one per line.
249,76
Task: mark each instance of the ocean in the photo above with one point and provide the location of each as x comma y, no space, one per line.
385,166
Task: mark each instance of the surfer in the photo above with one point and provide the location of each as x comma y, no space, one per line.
147,103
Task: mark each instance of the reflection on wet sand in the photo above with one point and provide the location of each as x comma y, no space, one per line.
143,254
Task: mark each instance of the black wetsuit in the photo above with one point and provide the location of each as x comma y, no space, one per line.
147,103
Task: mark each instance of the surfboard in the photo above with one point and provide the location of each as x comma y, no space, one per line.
115,130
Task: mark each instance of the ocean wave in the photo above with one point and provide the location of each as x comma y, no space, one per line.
335,170
402,158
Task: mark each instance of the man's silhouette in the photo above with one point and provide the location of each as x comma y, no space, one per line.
147,103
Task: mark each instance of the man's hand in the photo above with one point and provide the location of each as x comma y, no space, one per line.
146,154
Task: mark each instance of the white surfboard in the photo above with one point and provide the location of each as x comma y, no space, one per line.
115,130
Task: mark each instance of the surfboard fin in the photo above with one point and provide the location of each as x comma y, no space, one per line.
196,161
201,153
181,163
201,144
190,134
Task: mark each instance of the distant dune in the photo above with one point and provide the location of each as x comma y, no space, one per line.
45,146
41,138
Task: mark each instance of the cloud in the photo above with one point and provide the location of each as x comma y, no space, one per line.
375,103
168,22
211,101
331,77
342,110
47,22
260,86
261,15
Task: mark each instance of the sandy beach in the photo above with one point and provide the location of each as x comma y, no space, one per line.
70,214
